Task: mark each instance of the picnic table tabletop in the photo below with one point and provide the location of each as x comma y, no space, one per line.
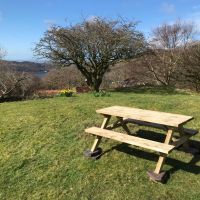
163,118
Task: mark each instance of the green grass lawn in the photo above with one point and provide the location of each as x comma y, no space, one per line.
42,144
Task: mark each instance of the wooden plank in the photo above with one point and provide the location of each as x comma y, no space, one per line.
190,132
133,140
167,119
162,158
98,139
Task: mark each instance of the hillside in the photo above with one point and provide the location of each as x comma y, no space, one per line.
27,66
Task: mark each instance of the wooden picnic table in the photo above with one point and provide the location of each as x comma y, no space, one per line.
124,115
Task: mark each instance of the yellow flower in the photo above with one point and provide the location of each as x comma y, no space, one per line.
66,92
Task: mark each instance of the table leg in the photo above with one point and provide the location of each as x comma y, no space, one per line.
98,139
181,133
95,152
157,175
186,146
124,126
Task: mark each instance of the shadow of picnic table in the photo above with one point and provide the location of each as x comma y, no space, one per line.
176,165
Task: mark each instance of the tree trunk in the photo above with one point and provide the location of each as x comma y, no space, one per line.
97,84
96,88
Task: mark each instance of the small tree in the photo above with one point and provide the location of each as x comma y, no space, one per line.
167,46
92,46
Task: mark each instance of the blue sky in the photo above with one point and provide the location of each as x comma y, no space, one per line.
23,22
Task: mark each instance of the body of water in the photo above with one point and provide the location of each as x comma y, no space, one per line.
41,74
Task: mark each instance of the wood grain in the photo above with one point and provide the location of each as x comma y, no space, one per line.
167,119
98,139
162,158
133,140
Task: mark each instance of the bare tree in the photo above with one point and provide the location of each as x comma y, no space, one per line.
16,85
191,66
9,81
92,46
166,48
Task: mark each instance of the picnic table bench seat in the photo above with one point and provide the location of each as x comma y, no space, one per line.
133,140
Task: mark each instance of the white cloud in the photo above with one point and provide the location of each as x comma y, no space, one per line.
168,7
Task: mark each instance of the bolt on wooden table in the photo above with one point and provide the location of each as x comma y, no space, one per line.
166,121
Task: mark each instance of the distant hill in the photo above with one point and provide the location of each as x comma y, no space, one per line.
27,66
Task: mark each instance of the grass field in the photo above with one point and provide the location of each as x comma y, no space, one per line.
42,144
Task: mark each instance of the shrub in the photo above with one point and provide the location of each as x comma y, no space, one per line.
46,93
101,93
66,93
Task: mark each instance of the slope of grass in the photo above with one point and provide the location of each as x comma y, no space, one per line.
42,144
